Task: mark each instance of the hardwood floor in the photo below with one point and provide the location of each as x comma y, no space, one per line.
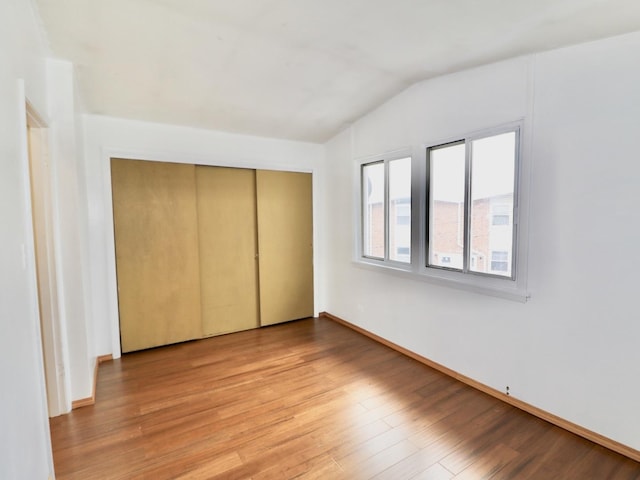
312,400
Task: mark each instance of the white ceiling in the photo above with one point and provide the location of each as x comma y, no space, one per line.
297,69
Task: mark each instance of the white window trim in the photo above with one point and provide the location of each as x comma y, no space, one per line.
510,289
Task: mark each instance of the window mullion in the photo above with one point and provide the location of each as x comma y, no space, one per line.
466,255
426,218
515,212
364,228
386,210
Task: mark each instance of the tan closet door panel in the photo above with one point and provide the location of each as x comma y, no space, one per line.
228,247
285,244
156,237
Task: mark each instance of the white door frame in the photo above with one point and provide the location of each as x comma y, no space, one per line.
41,207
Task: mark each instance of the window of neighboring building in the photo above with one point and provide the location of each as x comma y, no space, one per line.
499,261
501,214
386,210
403,213
471,198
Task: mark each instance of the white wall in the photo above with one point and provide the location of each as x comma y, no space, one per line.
70,226
25,451
107,137
572,350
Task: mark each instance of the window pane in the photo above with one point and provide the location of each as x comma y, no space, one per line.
446,206
400,210
492,192
373,210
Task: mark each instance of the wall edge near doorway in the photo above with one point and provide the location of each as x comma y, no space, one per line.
84,402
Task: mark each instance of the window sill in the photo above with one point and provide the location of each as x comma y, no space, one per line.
501,288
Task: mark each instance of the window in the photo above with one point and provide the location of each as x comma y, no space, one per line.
403,213
386,210
471,197
499,261
469,233
403,254
501,214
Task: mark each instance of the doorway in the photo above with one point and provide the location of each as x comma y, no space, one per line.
57,387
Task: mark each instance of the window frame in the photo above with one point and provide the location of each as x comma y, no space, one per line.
386,261
486,284
467,140
363,228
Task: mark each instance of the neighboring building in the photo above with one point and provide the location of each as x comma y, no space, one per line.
491,241
399,230
491,238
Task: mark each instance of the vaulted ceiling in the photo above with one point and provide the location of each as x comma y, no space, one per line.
296,69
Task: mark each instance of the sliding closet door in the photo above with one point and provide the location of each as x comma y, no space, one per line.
228,248
285,240
156,237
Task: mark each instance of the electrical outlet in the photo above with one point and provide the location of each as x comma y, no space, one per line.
507,390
